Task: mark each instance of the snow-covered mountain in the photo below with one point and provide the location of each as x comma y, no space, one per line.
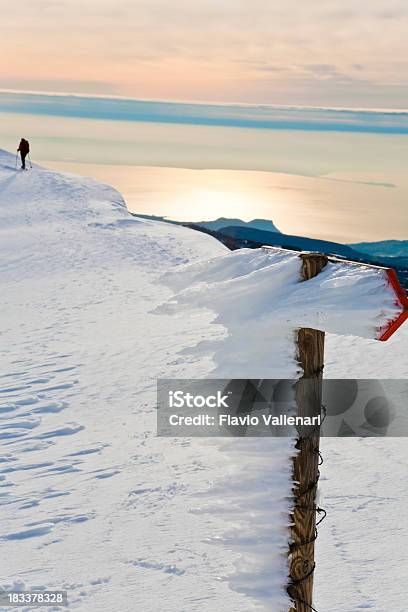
91,500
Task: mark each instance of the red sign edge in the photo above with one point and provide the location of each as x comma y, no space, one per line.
391,327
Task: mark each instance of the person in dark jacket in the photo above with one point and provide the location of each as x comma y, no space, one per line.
24,148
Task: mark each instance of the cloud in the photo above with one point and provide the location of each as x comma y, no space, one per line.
255,116
261,50
60,85
327,70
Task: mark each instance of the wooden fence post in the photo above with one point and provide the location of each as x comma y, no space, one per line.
308,389
308,395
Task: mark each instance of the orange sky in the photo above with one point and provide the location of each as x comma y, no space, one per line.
316,52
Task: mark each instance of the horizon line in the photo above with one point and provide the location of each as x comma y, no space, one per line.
90,96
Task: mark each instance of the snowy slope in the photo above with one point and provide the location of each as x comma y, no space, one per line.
92,501
364,489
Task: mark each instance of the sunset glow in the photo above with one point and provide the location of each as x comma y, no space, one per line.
352,54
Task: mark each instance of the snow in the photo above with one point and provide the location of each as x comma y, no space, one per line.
91,500
363,486
364,490
258,297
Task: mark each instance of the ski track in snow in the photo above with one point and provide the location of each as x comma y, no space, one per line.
91,501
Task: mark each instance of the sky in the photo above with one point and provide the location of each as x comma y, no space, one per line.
320,52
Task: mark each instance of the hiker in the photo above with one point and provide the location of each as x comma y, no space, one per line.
24,148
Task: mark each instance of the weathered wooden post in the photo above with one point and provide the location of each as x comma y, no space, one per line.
308,395
310,343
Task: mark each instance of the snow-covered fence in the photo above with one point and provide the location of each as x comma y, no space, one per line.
310,354
275,306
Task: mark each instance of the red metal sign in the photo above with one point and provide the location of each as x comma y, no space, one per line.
401,301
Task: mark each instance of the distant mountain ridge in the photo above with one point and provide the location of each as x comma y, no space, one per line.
290,241
383,248
218,224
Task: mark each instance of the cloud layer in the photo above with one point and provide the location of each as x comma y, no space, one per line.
263,51
233,115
